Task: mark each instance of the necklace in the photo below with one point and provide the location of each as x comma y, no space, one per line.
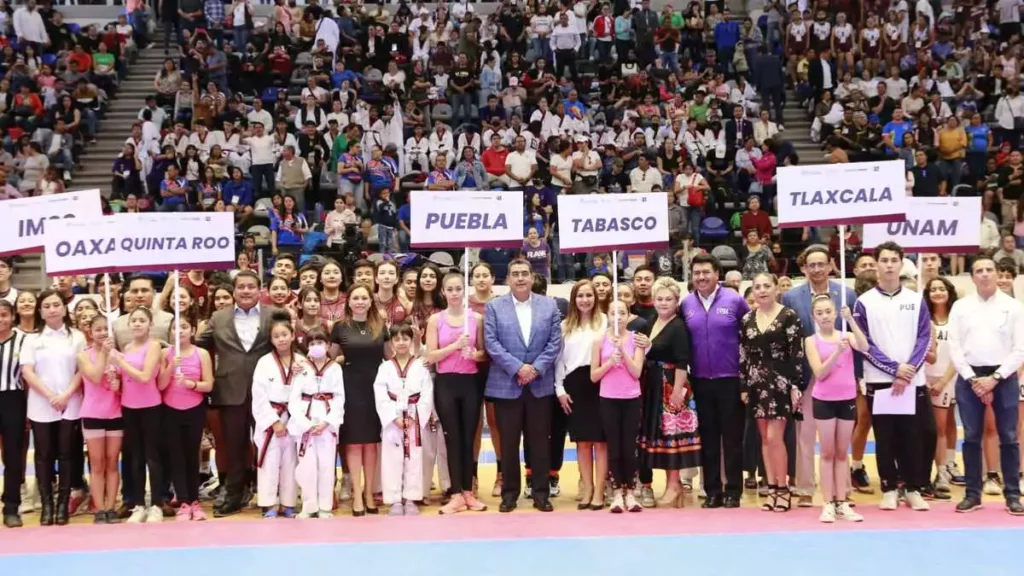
361,326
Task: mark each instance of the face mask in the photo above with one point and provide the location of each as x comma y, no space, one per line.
317,351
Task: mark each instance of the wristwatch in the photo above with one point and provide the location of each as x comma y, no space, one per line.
997,377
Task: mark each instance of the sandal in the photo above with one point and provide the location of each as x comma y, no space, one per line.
771,499
784,500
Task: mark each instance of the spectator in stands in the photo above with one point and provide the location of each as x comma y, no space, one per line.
755,219
294,177
174,190
1008,249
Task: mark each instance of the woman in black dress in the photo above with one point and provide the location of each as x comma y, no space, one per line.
668,438
360,347
771,368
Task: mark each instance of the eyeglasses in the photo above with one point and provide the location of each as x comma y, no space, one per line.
816,265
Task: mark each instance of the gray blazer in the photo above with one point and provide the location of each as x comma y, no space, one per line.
799,299
234,365
508,351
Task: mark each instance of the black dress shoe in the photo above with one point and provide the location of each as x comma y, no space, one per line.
713,501
507,506
968,504
373,510
12,521
46,514
543,504
731,501
228,509
1015,508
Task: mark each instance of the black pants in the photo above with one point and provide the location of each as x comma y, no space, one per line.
143,432
236,433
12,432
183,433
621,420
77,457
556,441
169,23
563,59
720,422
127,475
772,99
457,398
901,441
532,416
53,447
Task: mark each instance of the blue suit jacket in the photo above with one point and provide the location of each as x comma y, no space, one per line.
799,299
508,351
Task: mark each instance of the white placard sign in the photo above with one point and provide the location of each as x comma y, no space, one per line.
83,246
607,222
461,218
23,221
948,224
863,192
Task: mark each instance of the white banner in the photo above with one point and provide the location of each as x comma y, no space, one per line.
605,222
949,224
811,195
461,218
23,221
141,241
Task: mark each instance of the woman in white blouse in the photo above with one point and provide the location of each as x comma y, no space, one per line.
764,128
48,366
578,395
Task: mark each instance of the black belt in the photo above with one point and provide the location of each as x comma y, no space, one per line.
985,370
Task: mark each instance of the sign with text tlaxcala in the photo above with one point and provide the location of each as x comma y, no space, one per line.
857,193
461,218
24,221
949,224
127,242
607,222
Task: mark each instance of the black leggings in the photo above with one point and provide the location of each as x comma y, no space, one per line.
142,432
12,434
53,444
621,420
183,430
457,399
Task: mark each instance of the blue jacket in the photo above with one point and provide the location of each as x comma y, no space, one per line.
799,299
508,351
715,333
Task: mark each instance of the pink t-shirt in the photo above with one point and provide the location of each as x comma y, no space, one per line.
840,383
618,383
180,397
446,334
99,402
135,394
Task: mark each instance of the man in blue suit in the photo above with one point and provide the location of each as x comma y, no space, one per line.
522,335
815,264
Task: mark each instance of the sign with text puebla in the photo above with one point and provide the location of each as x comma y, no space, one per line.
604,222
466,218
948,224
141,241
25,221
842,193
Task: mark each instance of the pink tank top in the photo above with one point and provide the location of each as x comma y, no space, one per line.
180,397
100,401
446,334
618,383
135,394
840,383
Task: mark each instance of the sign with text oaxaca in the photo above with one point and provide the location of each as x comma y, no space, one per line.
948,224
125,242
466,218
858,193
604,222
24,221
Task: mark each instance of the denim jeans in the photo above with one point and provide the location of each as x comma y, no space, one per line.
262,173
694,217
671,60
462,104
241,37
952,171
1005,405
403,240
386,238
140,27
541,48
176,207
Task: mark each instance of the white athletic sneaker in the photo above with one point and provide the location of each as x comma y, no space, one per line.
916,502
325,514
154,515
991,487
828,513
304,515
845,512
138,515
617,505
942,480
890,500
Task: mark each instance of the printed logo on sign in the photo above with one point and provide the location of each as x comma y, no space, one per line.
923,228
847,196
29,227
466,221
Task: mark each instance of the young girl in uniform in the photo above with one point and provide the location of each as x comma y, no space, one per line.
871,45
317,410
48,367
941,375
138,367
271,389
404,394
455,343
308,320
842,45
185,380
615,365
834,399
390,297
332,303
102,425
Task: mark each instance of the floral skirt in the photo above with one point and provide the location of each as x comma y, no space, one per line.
669,439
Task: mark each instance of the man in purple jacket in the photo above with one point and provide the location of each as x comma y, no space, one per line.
713,315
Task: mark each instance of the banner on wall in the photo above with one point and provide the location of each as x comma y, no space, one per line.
141,241
24,222
610,222
949,224
461,218
863,192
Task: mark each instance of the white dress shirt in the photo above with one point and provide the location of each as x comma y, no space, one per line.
247,324
52,354
707,302
986,333
524,314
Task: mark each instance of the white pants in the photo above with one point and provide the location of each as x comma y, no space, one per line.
401,477
277,475
435,453
315,473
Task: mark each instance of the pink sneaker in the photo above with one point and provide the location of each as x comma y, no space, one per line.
197,512
472,503
184,513
454,506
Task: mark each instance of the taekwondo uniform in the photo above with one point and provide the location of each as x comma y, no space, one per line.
407,396
316,396
276,457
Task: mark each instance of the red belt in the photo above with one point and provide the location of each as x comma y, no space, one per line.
410,426
324,397
280,408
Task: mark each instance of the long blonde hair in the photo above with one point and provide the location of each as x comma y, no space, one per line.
573,320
